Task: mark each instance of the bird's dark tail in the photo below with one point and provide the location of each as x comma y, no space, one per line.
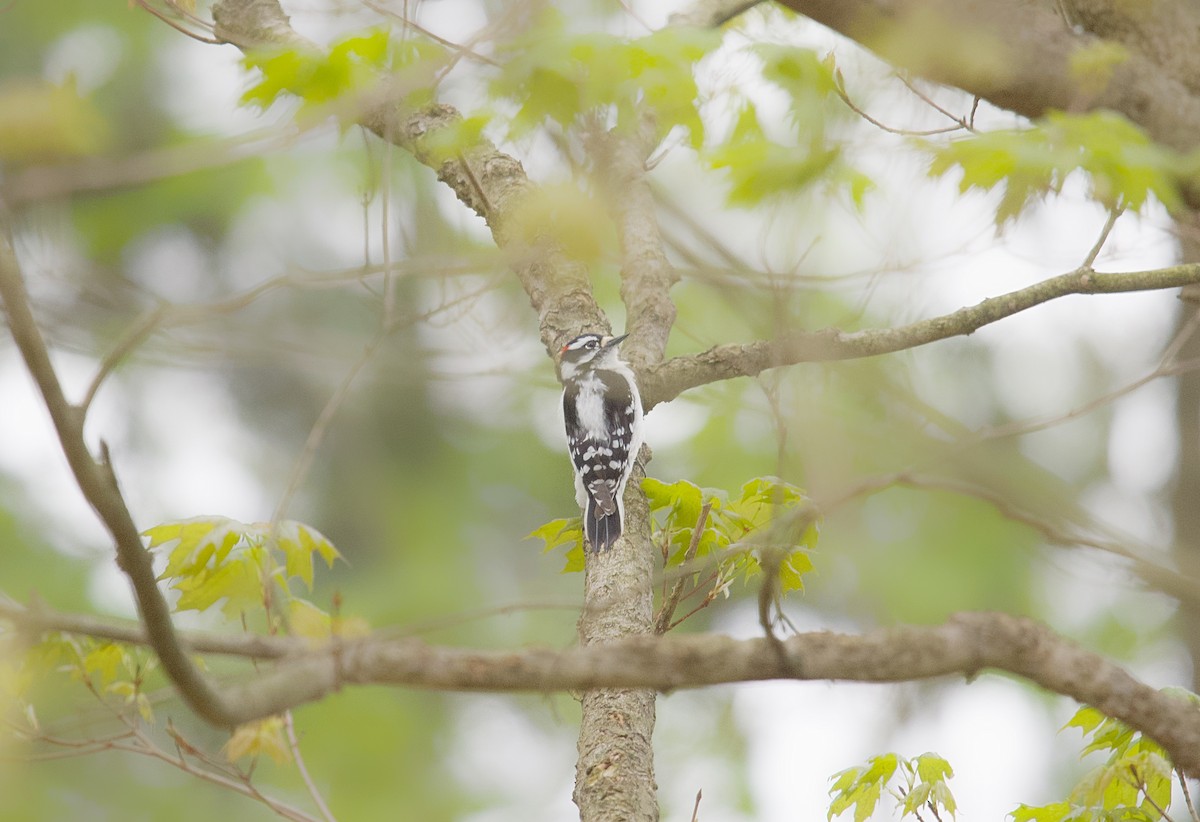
602,529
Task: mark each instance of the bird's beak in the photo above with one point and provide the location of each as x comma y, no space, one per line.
610,342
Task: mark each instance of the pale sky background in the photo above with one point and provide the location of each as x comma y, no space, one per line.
994,732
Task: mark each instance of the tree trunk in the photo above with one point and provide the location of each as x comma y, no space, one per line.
614,775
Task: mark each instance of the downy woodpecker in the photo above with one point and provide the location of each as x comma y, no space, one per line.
603,414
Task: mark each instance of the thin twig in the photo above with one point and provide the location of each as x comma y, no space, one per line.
1139,785
1162,578
839,86
1030,426
316,434
179,27
665,381
671,602
1113,215
134,337
290,728
967,123
408,23
1187,795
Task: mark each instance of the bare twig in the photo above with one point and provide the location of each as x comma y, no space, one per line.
179,27
1162,578
316,434
961,122
134,740
1113,215
130,340
1030,426
840,89
1187,795
671,601
39,618
667,380
460,50
290,728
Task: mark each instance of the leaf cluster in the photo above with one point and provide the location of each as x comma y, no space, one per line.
917,783
759,167
248,567
555,75
767,514
352,68
104,667
1123,165
1133,784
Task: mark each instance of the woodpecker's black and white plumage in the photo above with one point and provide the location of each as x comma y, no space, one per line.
603,414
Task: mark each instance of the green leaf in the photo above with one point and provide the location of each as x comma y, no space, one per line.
264,736
575,558
792,571
558,76
194,543
1093,64
452,139
237,582
308,621
933,768
1124,167
299,542
559,532
1048,813
41,122
104,660
861,788
915,798
352,66
1087,718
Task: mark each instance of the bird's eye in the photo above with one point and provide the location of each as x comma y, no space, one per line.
592,344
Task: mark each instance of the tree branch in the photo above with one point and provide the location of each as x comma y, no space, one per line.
99,486
1018,55
965,645
664,382
37,618
646,274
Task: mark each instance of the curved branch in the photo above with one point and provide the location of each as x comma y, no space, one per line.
965,645
99,486
664,382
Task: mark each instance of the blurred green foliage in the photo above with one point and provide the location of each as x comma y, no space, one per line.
438,461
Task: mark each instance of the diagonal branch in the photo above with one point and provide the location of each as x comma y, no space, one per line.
665,381
99,486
